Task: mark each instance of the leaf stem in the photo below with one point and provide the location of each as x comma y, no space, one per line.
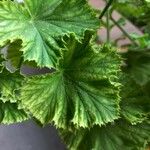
123,31
108,26
105,9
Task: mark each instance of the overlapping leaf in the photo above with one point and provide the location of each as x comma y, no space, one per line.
10,113
84,91
135,104
138,60
136,78
14,55
39,23
117,136
1,65
9,84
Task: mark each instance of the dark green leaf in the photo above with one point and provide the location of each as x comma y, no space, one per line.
84,92
117,136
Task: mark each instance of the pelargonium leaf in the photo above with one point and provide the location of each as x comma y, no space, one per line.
10,113
14,55
138,65
84,91
135,104
40,23
1,63
9,85
120,135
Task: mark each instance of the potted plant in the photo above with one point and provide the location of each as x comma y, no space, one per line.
96,97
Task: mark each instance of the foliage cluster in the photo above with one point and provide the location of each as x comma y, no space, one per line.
95,96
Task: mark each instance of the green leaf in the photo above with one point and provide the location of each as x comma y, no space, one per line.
40,23
83,93
1,64
14,55
138,65
9,98
10,113
9,84
117,136
135,104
